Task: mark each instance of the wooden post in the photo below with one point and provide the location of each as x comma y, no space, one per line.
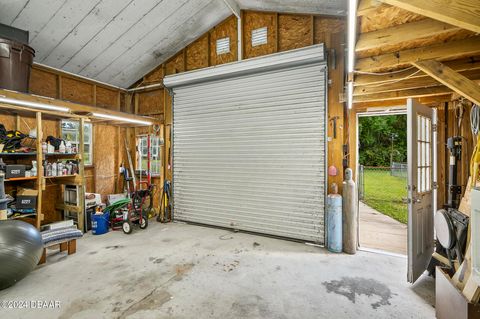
81,172
40,184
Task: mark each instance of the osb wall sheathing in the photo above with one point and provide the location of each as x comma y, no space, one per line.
105,149
43,83
155,76
227,28
77,91
150,102
294,31
176,64
107,98
255,20
197,54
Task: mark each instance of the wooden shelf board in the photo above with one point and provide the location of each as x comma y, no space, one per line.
21,179
62,176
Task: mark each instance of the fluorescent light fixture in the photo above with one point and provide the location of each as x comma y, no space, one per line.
350,95
352,30
34,105
121,118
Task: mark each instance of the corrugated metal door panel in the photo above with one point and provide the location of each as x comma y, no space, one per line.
249,152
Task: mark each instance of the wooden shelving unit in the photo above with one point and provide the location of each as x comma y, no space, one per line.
40,180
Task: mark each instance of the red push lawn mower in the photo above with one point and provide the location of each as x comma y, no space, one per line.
135,209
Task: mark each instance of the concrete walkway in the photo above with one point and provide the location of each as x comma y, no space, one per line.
381,232
183,271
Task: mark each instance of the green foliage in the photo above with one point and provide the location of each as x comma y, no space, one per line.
384,193
375,139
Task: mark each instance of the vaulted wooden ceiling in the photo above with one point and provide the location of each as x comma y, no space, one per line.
416,48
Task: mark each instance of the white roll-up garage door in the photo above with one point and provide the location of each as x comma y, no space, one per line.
249,144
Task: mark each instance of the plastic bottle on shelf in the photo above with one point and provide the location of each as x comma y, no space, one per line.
33,171
68,147
44,147
62,147
54,169
49,169
50,148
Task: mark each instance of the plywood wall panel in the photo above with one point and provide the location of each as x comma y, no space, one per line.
323,26
76,91
51,196
43,83
197,54
227,28
107,98
90,179
255,20
150,102
294,31
176,64
105,151
154,76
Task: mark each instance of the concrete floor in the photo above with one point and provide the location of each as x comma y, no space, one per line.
185,271
381,232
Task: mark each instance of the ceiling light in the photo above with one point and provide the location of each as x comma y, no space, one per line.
34,105
121,118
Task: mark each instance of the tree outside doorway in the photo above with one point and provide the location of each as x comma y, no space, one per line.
383,168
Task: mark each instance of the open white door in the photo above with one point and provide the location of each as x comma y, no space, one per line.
421,139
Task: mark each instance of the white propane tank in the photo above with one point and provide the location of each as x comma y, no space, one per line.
350,214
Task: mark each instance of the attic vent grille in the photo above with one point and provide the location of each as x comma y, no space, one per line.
259,36
223,45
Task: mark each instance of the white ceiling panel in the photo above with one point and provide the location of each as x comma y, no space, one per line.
10,9
172,39
118,41
326,7
36,15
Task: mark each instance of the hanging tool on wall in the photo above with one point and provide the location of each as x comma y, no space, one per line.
334,120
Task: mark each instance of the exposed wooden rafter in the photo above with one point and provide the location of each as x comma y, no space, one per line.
443,51
408,84
452,79
462,13
403,33
395,95
471,63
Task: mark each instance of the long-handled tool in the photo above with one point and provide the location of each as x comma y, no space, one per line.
166,208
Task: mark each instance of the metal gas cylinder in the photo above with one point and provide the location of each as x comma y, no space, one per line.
334,223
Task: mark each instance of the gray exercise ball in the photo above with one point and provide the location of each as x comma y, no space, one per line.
21,248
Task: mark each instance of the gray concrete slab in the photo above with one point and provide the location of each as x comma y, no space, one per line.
186,271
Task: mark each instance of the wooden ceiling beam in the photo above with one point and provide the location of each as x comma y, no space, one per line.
467,64
450,78
429,100
462,13
403,33
449,50
408,84
395,95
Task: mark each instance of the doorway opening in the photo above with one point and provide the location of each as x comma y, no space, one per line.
382,182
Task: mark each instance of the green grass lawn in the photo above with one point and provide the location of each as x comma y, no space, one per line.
385,192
